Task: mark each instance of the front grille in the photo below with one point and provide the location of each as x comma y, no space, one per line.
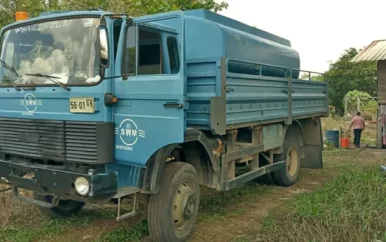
61,141
81,142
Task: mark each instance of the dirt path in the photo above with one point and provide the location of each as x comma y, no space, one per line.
220,229
233,227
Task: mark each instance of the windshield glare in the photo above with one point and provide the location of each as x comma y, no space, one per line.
65,49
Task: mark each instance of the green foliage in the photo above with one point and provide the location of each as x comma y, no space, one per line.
367,103
352,96
344,76
370,108
306,76
131,7
332,111
352,99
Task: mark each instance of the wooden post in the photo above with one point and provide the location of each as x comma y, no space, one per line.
345,108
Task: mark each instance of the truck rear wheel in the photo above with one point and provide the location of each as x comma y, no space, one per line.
172,212
65,208
290,174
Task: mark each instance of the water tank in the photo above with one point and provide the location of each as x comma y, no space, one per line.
248,44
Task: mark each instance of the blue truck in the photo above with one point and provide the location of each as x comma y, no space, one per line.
97,107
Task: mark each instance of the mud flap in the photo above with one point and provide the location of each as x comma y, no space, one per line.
313,144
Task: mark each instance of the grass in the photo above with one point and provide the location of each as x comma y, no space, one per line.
351,207
216,205
12,210
39,227
46,228
136,233
22,222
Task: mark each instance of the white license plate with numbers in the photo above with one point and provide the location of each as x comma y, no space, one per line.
82,105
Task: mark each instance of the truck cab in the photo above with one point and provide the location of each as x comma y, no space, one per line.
97,106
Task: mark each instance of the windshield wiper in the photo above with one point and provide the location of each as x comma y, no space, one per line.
51,78
12,69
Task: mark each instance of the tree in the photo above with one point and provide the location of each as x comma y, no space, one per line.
9,7
344,76
144,7
131,7
306,76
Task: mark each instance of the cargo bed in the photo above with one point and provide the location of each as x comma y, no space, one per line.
221,100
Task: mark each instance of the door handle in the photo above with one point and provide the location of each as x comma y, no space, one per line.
173,105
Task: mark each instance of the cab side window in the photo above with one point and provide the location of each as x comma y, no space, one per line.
116,35
174,60
130,55
150,58
146,55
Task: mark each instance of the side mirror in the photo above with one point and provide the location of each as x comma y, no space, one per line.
103,46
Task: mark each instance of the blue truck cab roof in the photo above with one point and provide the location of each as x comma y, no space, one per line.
55,14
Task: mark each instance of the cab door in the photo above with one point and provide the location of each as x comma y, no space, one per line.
149,113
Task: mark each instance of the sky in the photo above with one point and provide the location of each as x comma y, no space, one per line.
320,30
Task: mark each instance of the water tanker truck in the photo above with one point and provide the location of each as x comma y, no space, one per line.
97,107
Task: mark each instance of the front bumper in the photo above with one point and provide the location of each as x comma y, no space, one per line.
58,183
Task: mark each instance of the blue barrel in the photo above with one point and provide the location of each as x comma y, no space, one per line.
332,137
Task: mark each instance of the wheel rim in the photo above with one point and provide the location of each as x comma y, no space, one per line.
184,205
292,161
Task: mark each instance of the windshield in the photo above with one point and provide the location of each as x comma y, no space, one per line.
65,49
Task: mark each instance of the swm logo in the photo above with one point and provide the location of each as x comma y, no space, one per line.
129,134
30,103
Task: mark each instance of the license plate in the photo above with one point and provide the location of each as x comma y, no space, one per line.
82,105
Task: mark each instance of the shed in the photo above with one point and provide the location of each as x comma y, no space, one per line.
376,51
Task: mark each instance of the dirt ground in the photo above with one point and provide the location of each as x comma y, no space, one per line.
245,215
233,227
222,228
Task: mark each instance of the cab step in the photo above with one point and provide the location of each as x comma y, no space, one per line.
124,192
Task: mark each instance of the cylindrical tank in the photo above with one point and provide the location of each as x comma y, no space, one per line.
277,59
220,35
332,137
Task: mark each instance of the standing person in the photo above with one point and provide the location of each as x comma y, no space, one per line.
359,125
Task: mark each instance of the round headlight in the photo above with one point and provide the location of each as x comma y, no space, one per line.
82,186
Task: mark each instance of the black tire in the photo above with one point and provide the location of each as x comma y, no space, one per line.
289,175
65,208
179,196
266,179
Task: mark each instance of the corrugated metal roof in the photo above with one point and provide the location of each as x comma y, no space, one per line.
374,52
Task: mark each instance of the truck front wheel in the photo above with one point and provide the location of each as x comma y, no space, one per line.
65,208
172,212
